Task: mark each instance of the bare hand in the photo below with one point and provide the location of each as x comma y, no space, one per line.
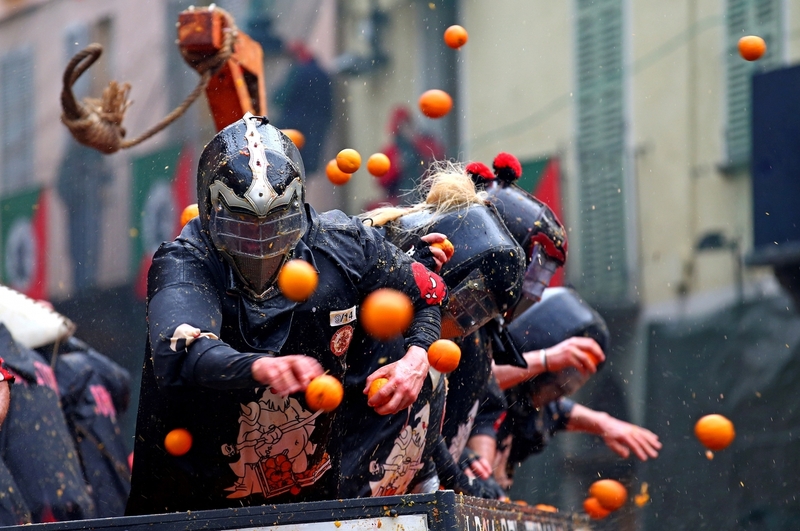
577,352
405,376
286,374
622,437
438,254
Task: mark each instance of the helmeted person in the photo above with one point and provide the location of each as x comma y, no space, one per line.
226,348
540,407
469,428
563,342
484,276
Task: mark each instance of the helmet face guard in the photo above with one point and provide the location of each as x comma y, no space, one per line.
470,306
486,270
251,187
537,229
550,386
540,270
257,245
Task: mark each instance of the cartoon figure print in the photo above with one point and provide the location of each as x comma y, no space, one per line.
274,448
459,441
404,460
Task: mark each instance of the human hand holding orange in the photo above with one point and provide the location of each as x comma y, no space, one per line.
286,374
405,378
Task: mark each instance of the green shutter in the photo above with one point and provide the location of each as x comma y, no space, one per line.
601,152
17,120
748,17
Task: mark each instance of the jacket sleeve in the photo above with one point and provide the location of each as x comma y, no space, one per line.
386,266
184,319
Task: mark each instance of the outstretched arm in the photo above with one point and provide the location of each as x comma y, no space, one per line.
578,352
622,437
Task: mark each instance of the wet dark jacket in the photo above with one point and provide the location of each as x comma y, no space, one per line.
94,392
251,446
35,443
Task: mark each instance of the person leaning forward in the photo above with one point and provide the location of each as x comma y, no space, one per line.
227,352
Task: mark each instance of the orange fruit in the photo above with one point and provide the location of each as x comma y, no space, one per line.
752,47
715,432
178,441
386,313
593,508
378,164
348,160
297,280
447,247
593,357
324,392
295,136
520,502
335,175
444,355
375,386
435,103
455,36
191,211
546,508
610,493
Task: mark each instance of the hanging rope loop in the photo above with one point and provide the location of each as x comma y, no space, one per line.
97,122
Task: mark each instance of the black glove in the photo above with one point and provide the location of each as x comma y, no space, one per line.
420,251
452,477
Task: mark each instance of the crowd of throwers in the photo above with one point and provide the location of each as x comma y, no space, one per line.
228,356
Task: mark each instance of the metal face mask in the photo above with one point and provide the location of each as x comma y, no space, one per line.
538,231
251,185
470,306
257,245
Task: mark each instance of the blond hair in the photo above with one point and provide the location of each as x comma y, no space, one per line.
447,187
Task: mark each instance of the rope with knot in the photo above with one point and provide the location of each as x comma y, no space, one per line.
97,122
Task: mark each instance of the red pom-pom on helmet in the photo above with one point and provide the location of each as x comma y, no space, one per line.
507,167
479,172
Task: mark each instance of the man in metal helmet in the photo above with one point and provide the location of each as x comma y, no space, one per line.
227,351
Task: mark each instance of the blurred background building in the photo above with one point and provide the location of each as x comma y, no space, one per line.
672,161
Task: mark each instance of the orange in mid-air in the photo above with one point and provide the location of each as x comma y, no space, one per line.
610,493
444,355
297,280
446,246
295,136
752,47
378,164
335,175
191,211
348,160
455,36
324,392
435,103
375,386
715,432
593,508
178,441
386,313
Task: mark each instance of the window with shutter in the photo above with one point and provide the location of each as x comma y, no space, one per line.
601,151
748,17
17,120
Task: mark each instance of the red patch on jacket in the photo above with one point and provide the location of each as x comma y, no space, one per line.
431,286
